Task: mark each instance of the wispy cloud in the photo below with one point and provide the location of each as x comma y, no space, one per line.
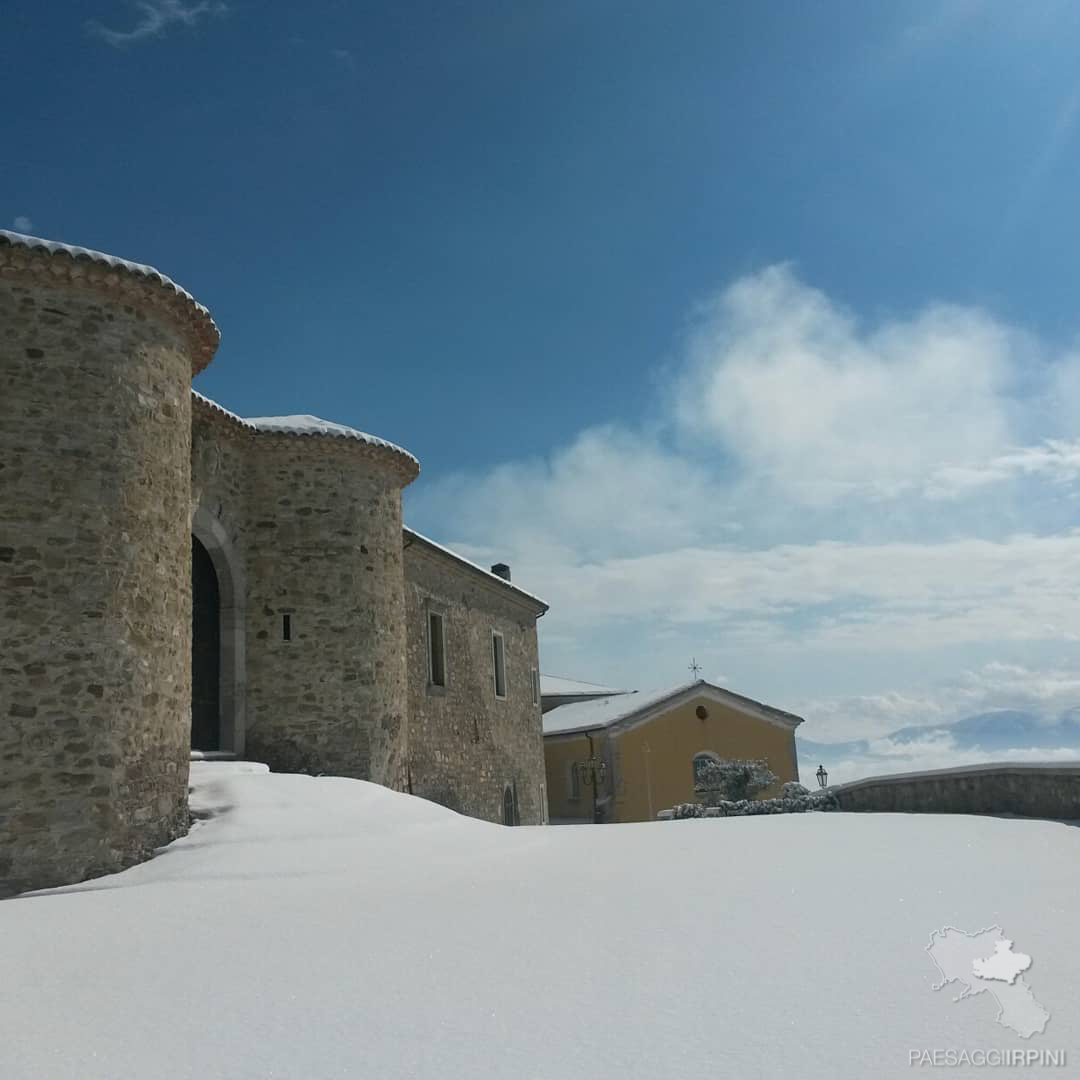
874,734
345,57
939,22
156,17
1056,459
1047,693
22,224
938,751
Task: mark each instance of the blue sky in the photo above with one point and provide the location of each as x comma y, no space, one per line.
743,331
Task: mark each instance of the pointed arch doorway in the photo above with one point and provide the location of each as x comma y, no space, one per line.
205,650
217,639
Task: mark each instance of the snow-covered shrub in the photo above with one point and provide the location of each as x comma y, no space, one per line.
732,780
792,789
791,804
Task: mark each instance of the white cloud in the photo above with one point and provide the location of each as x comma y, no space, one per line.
612,492
932,753
1056,459
1046,693
861,597
790,386
22,224
156,16
813,488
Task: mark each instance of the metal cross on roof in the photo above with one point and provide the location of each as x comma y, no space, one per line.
695,667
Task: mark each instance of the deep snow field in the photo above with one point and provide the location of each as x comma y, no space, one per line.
311,928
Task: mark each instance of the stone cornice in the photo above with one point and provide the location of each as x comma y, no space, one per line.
51,263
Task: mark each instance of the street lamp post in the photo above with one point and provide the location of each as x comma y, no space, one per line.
593,772
822,776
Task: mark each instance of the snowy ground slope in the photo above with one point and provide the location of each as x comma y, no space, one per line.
317,928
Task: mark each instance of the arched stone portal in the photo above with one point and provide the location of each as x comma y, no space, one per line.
217,640
205,650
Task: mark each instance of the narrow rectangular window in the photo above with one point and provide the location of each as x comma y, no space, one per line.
286,628
498,655
536,686
575,782
436,649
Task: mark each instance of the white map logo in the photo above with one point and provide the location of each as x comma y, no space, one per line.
985,961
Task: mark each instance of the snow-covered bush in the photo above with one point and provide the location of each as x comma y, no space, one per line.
732,780
791,804
792,789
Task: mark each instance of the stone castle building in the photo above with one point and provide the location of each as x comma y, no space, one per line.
177,578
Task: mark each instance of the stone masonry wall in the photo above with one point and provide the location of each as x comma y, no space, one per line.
220,451
94,574
1051,791
324,547
221,448
465,745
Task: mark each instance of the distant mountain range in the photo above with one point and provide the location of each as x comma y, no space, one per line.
1004,729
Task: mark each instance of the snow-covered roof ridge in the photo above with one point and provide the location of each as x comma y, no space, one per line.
554,685
493,578
619,708
80,259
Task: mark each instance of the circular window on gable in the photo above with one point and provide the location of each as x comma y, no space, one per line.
701,712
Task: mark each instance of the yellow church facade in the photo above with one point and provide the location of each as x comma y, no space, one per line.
628,756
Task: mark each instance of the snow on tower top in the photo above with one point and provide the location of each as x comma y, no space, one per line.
54,247
306,424
201,325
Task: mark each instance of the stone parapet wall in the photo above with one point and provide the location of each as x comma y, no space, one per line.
1037,790
95,563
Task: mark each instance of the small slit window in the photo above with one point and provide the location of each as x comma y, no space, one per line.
286,627
436,649
536,686
498,658
510,806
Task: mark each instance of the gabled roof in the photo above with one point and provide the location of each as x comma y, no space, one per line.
412,536
557,686
624,710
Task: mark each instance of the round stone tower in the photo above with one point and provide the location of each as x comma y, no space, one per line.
326,642
96,359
